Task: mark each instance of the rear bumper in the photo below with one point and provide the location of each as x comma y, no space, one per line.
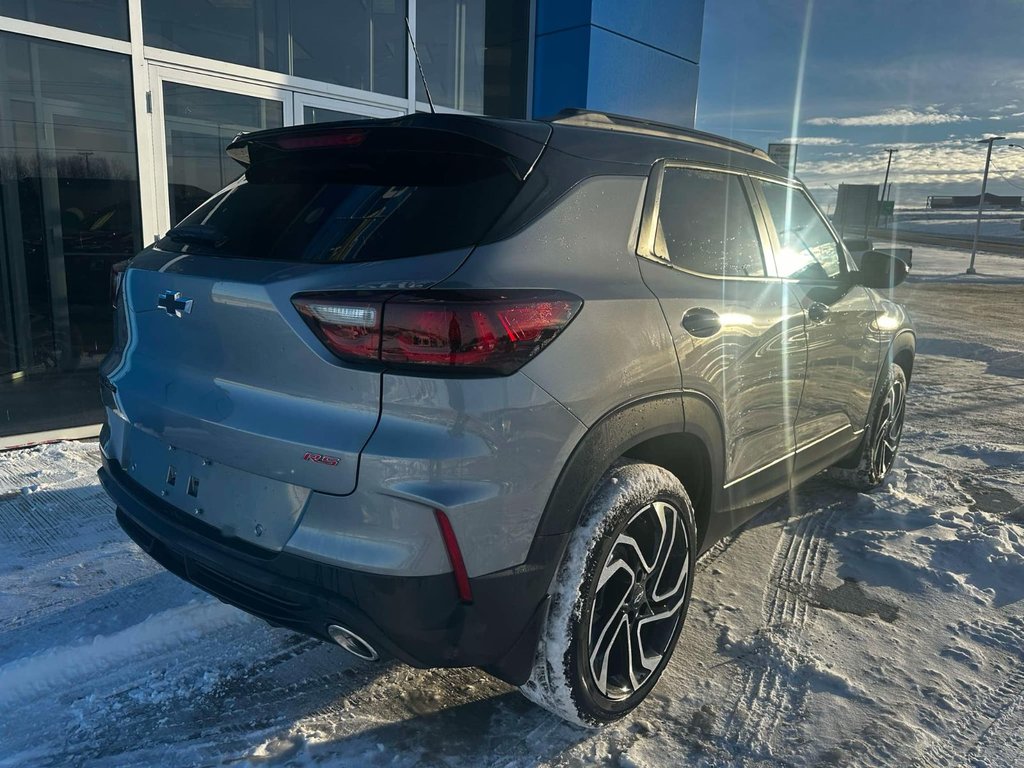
419,620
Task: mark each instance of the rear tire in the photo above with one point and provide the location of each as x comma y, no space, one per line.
619,599
882,437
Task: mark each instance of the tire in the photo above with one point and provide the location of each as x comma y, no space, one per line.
881,438
626,576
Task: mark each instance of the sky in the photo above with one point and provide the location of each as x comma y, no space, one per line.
928,77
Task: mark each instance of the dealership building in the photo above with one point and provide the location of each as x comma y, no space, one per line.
114,115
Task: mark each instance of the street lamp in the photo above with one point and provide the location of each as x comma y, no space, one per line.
885,183
981,201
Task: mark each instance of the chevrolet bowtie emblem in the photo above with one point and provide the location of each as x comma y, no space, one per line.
173,304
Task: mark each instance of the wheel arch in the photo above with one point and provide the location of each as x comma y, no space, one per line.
679,431
902,351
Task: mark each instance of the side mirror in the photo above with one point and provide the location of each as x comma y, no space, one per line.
881,270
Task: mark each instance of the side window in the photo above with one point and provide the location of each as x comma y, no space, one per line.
807,249
705,224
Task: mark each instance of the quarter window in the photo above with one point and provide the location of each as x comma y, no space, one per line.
705,224
807,249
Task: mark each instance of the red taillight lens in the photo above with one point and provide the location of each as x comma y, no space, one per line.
484,332
349,328
496,334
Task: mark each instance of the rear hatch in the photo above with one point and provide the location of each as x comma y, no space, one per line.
220,366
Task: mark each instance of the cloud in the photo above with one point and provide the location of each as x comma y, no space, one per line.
935,167
816,141
930,116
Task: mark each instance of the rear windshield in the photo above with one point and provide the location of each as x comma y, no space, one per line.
309,214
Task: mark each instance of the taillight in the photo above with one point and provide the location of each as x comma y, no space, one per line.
349,328
485,332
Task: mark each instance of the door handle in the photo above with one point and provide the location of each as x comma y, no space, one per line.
702,322
817,312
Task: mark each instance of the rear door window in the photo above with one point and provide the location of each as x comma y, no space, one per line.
318,215
705,224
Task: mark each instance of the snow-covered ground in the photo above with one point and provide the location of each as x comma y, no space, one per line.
836,629
995,223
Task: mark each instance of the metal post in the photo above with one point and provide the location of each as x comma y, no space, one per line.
885,183
981,201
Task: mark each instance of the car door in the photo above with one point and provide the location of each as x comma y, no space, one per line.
842,351
737,330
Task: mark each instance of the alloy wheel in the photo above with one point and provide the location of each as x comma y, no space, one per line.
890,428
638,600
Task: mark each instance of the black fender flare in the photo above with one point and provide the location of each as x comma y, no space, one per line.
904,342
614,434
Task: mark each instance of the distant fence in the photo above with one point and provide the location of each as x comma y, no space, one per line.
971,201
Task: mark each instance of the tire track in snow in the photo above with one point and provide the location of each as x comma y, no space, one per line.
55,668
983,719
768,697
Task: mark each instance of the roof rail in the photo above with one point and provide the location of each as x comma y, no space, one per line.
609,121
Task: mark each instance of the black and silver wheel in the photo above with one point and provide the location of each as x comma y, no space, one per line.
882,437
619,599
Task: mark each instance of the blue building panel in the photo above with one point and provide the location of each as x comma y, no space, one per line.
565,56
630,78
673,26
639,58
558,15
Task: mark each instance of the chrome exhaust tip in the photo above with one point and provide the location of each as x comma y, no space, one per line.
352,642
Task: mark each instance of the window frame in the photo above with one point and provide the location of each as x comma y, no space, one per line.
646,244
757,180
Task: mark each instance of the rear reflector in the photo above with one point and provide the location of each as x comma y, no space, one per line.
451,544
484,332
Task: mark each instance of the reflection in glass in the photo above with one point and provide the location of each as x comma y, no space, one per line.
322,115
807,249
200,123
474,54
97,17
69,210
705,224
357,43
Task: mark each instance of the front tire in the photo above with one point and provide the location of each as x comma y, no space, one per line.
619,599
882,437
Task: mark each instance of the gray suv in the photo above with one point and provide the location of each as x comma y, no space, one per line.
478,392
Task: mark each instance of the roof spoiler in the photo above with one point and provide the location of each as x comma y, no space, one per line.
609,121
519,142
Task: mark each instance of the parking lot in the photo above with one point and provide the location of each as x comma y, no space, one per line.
835,629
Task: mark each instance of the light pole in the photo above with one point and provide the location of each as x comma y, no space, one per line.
981,201
885,183
832,205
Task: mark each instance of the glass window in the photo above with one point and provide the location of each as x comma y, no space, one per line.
97,17
304,210
356,43
199,124
69,210
705,224
474,54
807,249
323,115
